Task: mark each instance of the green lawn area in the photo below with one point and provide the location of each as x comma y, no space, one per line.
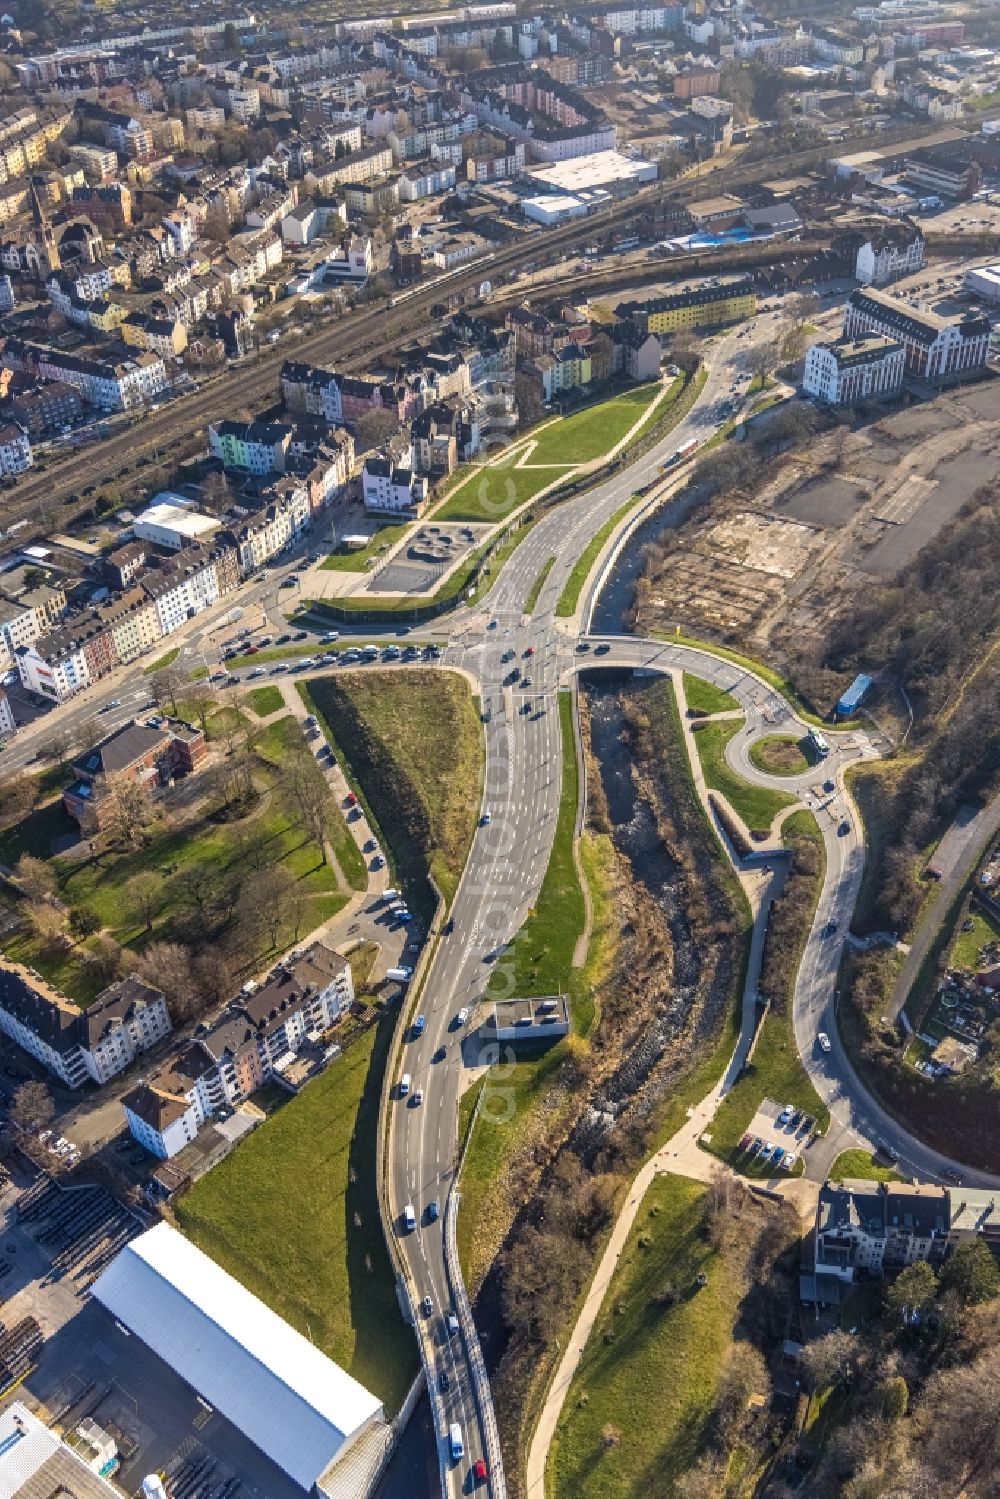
537,586
780,755
649,1372
570,596
414,745
861,1165
356,559
176,852
265,700
539,961
594,431
705,697
491,493
757,805
969,945
293,1214
162,662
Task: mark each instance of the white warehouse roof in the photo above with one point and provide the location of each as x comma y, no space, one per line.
165,514
294,1403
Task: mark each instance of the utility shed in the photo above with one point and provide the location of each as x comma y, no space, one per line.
288,1398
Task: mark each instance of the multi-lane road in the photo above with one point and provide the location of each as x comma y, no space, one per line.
508,859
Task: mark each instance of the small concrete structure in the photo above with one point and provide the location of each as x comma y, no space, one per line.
529,1019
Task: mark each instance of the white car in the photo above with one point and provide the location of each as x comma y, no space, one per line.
824,1041
259,671
462,1016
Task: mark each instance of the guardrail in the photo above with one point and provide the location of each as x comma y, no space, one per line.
474,1353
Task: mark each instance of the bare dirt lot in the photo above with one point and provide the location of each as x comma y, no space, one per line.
823,523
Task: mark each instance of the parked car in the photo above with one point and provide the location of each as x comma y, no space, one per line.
824,1041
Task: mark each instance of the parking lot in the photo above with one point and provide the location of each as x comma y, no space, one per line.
775,1140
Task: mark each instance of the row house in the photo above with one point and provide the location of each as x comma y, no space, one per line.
28,612
15,450
46,406
390,486
273,208
253,1042
163,336
124,386
189,582
248,258
79,1046
423,181
257,447
864,1226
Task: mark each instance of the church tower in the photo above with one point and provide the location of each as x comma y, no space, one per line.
41,252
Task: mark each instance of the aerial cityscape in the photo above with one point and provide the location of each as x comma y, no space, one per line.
499,750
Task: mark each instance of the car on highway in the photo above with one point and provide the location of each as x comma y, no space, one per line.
479,1470
276,671
301,635
451,1324
830,927
843,829
444,1383
283,639
602,649
433,1211
419,1026
486,819
824,1041
331,636
417,1099
461,1017
427,1307
409,1218
259,671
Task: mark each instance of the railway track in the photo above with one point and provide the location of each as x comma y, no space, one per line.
365,335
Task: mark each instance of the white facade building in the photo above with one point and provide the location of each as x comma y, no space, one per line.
936,348
15,450
392,488
896,251
850,370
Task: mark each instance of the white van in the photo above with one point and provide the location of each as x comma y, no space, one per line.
390,895
401,975
404,1085
409,1218
455,1442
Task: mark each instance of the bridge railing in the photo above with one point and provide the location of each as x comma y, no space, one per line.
477,1365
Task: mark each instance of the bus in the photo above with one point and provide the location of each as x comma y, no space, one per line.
819,745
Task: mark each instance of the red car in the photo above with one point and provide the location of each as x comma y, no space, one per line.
350,799
479,1469
530,651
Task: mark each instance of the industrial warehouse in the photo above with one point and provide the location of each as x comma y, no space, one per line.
298,1407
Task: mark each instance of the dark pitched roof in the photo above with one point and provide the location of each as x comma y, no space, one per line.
121,749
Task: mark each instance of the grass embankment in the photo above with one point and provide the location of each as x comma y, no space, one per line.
757,805
759,668
640,1400
780,755
162,662
414,745
491,492
861,1165
873,787
191,851
776,1071
537,586
570,596
705,697
293,1214
265,700
588,434
357,559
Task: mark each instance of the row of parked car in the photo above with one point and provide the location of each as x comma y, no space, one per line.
760,1150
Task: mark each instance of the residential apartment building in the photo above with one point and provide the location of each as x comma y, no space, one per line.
390,486
15,450
361,166
254,1041
893,250
423,181
125,386
189,582
704,306
79,1046
257,447
849,370
936,348
28,612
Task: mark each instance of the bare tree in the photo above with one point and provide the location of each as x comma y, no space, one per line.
47,923
145,894
265,901
164,686
167,966
764,358
106,959
307,799
32,1107
827,1360
61,748
36,878
201,705
128,814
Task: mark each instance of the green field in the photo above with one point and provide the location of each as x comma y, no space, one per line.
780,755
861,1165
265,700
757,805
570,596
492,492
705,697
969,945
293,1214
537,586
594,431
180,853
356,560
649,1372
414,745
